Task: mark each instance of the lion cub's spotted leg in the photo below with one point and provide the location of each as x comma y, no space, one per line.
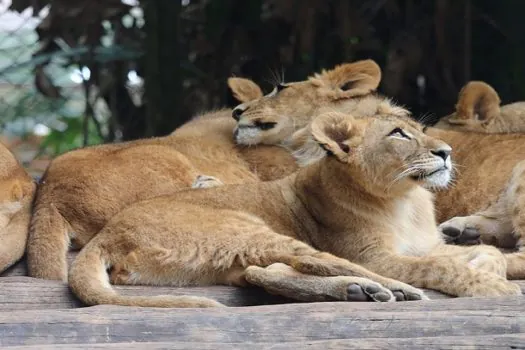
205,181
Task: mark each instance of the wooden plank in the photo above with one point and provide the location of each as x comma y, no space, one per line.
22,293
515,341
280,324
26,293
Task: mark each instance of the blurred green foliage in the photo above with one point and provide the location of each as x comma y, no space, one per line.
68,135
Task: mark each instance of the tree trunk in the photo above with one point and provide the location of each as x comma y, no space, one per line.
162,67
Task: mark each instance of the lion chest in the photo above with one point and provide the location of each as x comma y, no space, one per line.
413,226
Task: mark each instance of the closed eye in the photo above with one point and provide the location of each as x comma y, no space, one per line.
399,133
264,125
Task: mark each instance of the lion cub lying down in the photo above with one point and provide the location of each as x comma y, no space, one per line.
478,109
489,187
16,196
364,202
83,189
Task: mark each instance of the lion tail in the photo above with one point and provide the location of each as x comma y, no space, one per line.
89,281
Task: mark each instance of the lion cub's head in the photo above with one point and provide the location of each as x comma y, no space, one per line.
386,153
273,118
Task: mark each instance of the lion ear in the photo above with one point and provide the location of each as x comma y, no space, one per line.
336,133
477,101
352,79
244,90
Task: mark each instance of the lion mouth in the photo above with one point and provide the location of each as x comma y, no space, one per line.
423,176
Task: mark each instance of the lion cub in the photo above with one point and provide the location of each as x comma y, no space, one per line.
489,181
16,196
478,109
364,202
82,189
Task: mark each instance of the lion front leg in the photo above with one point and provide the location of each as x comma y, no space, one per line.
481,257
442,273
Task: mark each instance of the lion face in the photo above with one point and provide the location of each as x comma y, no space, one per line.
391,152
273,118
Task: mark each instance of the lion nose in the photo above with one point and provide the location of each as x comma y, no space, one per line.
443,152
236,113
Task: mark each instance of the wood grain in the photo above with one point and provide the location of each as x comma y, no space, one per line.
48,316
260,324
514,341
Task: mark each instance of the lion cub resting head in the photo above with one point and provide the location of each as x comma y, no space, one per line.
273,118
364,202
16,196
478,109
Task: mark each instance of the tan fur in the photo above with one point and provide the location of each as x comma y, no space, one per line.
489,180
82,189
346,88
478,109
489,190
16,196
355,204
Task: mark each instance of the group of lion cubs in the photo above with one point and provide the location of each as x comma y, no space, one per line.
356,221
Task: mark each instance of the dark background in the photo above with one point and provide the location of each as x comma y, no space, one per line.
186,50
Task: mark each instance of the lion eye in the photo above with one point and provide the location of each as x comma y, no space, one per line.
398,132
265,125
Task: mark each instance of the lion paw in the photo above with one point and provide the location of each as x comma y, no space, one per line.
205,181
366,290
404,292
457,231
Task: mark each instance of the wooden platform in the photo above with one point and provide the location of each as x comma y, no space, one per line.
38,314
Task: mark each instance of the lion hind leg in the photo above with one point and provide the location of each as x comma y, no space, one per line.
284,280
